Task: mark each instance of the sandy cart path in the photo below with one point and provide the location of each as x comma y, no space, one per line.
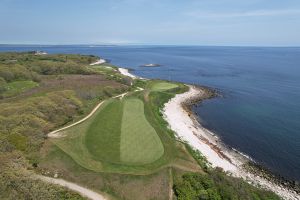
74,187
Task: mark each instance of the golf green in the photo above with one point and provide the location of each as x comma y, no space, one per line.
140,144
120,133
161,86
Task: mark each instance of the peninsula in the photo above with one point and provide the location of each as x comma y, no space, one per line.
76,127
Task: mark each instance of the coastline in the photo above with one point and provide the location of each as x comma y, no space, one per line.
126,72
99,62
178,113
184,122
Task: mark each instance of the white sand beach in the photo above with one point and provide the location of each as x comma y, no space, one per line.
125,72
186,129
189,130
100,61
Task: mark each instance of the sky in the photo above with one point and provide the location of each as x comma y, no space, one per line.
168,22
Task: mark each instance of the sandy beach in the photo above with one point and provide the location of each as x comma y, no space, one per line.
125,72
186,129
183,122
100,61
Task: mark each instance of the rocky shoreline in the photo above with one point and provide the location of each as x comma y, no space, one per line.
246,168
265,173
249,164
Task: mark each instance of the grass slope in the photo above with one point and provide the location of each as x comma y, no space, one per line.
140,143
103,135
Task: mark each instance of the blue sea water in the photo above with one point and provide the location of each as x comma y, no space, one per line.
259,113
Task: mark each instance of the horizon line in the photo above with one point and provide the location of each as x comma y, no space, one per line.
147,44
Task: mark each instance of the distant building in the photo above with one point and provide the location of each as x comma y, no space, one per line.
40,53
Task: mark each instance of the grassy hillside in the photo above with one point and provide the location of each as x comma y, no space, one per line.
36,98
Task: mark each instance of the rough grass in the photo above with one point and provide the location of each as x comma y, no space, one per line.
17,87
162,86
140,143
103,135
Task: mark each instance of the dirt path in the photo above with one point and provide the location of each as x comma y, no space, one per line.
85,192
55,133
72,186
170,184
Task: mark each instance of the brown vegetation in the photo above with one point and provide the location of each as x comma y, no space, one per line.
67,89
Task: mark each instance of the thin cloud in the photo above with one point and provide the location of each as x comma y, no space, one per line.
255,13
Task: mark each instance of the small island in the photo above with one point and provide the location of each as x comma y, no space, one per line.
151,65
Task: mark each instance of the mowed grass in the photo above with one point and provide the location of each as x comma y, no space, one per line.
161,86
140,143
117,138
103,135
120,133
17,87
127,136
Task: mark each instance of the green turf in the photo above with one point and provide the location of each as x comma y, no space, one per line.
161,86
95,144
126,136
18,87
140,143
74,142
103,135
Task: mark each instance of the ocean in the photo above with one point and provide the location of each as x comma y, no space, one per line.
258,112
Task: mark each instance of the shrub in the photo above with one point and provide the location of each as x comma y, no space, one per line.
216,185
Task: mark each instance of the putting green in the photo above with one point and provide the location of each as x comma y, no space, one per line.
120,133
140,143
161,86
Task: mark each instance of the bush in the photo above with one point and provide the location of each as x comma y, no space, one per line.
27,66
3,85
196,186
216,185
17,183
35,117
